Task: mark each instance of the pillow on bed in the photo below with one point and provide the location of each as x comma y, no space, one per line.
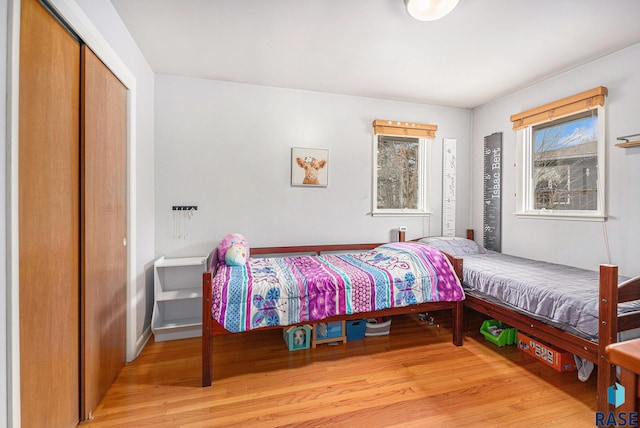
453,245
220,253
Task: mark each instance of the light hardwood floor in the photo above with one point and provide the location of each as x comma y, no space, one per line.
413,377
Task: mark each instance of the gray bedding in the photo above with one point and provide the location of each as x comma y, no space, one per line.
563,296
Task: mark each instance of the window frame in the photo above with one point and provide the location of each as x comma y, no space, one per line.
525,181
424,180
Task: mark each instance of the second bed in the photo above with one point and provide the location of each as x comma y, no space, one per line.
578,310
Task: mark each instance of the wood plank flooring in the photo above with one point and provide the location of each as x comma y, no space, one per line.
414,377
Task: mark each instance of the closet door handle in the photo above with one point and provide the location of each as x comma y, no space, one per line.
124,242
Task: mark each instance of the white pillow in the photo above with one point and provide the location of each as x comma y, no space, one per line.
453,245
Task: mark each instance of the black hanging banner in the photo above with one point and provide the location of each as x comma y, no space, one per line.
492,216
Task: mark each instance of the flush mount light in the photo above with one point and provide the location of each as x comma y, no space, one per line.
430,10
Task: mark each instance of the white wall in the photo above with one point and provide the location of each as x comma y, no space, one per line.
226,147
577,243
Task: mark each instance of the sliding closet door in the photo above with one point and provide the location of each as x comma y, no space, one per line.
104,229
48,220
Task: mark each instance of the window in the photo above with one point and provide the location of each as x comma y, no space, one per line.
561,166
400,170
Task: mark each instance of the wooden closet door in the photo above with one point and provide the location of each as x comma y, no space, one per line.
104,228
49,220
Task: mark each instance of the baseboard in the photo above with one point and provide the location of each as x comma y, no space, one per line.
142,341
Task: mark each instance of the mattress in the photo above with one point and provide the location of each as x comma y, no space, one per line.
563,296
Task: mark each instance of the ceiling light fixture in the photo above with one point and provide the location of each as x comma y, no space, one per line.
430,10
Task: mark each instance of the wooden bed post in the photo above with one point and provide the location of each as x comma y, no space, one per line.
458,309
458,265
457,323
607,332
206,328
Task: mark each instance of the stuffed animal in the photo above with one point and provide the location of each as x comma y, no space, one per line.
299,337
236,255
226,243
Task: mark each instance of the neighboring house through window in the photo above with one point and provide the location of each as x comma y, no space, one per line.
565,164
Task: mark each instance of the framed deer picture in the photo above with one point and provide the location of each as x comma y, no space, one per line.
309,167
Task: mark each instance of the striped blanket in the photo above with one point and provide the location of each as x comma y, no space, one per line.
291,290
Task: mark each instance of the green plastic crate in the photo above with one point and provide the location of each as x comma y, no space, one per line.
508,335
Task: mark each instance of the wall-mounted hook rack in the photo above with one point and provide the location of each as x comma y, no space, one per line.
181,216
628,143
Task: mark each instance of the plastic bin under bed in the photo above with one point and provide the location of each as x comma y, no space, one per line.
499,333
378,327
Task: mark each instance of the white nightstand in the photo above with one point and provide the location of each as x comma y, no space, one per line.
177,309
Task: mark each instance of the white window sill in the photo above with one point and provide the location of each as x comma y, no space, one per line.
401,213
561,215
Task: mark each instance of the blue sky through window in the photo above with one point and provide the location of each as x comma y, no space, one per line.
566,134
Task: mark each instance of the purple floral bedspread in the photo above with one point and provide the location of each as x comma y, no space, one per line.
290,290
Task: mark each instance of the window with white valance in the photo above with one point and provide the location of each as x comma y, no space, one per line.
560,156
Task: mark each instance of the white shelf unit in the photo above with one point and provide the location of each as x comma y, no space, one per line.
177,309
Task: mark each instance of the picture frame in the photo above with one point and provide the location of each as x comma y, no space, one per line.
309,167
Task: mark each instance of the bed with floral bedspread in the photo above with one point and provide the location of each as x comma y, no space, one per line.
378,280
290,290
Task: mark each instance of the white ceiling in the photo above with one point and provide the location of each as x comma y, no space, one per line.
483,50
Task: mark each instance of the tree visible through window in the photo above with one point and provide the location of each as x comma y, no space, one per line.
398,174
400,167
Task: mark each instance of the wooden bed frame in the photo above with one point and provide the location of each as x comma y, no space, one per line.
211,327
608,327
